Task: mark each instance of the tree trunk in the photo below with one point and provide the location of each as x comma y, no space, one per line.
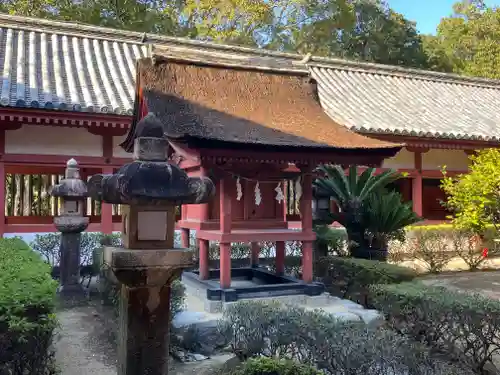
320,249
356,240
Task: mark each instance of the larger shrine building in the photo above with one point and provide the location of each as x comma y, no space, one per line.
68,90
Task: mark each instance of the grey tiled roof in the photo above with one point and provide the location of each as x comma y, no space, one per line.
371,98
53,68
74,67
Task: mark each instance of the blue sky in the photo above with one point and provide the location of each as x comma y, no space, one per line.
427,13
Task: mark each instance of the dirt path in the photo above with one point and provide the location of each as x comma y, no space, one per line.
79,348
83,347
486,283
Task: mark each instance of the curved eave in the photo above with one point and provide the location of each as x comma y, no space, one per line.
423,134
204,143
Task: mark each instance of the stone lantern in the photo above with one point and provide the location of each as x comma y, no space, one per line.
72,192
321,207
148,189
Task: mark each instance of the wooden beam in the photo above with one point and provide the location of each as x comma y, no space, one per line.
312,157
60,160
31,116
50,228
33,169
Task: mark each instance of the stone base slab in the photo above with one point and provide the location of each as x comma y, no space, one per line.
217,307
250,283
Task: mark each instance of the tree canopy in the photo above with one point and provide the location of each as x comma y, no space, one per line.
359,29
474,198
467,42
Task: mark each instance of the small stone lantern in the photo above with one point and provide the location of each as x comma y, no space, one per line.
148,189
72,192
321,207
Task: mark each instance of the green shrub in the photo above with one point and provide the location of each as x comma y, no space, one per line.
27,302
432,245
436,245
314,338
268,366
48,244
466,326
470,247
351,278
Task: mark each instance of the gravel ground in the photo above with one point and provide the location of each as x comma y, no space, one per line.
79,348
83,347
486,283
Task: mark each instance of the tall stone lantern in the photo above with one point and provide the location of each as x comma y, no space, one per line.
148,189
72,192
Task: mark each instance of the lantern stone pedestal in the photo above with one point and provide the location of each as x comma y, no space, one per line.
149,188
144,312
71,223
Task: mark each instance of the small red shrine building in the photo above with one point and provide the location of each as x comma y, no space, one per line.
68,90
243,121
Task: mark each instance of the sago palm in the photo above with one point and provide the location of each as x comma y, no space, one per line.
350,192
386,216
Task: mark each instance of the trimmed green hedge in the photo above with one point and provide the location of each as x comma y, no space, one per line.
27,303
257,329
465,326
350,277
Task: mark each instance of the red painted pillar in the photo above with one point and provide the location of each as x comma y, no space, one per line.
417,194
285,201
185,238
2,199
225,228
3,177
204,247
225,265
107,209
280,257
254,254
307,262
417,188
307,226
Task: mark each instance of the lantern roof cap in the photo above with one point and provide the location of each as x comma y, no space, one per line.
150,180
72,185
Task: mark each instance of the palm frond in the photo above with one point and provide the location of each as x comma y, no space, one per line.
334,183
386,213
378,181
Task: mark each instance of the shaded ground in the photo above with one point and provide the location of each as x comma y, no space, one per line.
80,347
486,283
83,346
